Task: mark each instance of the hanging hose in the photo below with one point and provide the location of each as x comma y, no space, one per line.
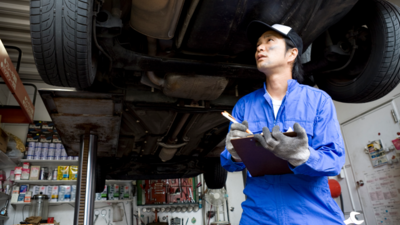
341,203
209,215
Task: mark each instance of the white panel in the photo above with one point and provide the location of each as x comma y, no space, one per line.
235,187
374,125
19,130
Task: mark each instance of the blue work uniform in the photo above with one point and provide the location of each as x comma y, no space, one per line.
303,197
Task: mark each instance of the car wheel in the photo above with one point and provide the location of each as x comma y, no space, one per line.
215,175
372,27
61,32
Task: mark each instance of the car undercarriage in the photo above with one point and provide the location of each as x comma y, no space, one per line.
171,67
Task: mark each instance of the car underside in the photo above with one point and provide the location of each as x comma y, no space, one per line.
179,64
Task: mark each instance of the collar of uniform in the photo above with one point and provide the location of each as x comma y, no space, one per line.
291,85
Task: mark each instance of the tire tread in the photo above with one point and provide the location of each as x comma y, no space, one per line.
71,66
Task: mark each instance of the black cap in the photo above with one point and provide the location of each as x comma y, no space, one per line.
256,28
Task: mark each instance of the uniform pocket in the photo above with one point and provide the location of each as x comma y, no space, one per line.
308,126
256,127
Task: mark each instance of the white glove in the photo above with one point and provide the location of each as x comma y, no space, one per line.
237,131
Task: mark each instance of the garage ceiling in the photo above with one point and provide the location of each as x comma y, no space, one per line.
14,30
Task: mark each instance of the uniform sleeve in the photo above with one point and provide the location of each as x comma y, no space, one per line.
327,154
226,157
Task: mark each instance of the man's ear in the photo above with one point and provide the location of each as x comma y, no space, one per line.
292,54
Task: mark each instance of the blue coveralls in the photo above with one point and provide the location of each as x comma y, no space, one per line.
303,197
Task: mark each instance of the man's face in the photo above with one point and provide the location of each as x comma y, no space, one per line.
271,51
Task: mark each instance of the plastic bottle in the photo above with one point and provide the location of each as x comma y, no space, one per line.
200,201
7,186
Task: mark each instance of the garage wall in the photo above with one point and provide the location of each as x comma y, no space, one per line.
347,111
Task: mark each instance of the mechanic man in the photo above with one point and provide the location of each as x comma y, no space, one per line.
317,152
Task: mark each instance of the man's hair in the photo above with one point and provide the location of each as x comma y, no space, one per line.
297,70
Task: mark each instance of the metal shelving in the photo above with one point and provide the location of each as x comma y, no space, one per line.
51,163
3,218
6,162
120,182
4,196
73,202
170,205
47,182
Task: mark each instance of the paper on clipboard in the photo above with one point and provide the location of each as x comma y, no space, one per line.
258,160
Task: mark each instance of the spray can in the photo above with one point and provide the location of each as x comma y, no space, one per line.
200,201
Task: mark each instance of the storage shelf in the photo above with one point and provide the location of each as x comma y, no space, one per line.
47,182
50,203
113,201
5,161
124,182
51,163
171,205
4,196
3,218
73,202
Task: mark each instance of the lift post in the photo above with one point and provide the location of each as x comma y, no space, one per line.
85,192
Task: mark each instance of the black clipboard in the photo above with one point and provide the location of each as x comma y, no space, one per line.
258,160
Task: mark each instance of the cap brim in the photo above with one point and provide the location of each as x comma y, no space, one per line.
256,28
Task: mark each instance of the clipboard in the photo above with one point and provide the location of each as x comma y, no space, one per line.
258,160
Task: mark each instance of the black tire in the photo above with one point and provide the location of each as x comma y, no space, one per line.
374,69
215,175
61,32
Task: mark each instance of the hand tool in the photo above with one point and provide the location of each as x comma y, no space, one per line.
103,214
353,219
96,213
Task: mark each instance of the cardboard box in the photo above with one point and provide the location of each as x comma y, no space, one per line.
126,193
54,194
114,192
64,194
3,141
28,196
36,124
15,189
47,125
18,170
73,192
56,138
35,170
63,173
25,174
35,190
21,197
14,198
26,165
23,189
103,195
46,138
33,137
48,191
42,190
73,173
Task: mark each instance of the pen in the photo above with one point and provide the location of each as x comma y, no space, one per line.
231,118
